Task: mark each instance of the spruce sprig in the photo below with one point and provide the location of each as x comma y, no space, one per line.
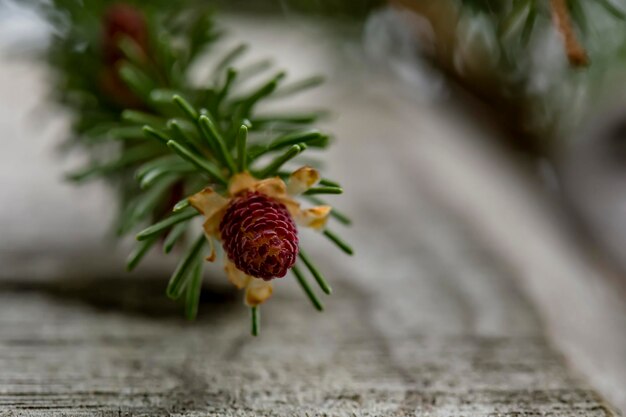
165,138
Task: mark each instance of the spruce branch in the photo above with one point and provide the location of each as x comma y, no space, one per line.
172,143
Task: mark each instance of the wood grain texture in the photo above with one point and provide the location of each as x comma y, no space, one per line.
436,354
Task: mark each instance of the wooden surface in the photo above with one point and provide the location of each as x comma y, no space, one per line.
466,296
427,347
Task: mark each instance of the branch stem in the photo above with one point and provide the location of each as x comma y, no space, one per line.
575,52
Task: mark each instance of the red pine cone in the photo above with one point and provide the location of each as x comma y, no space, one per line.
122,20
259,236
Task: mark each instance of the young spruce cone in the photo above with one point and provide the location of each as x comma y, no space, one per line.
259,236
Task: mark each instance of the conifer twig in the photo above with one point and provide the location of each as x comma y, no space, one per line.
575,52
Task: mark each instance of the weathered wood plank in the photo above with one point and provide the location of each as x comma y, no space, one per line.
67,357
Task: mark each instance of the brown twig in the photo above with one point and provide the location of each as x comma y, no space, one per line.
576,53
